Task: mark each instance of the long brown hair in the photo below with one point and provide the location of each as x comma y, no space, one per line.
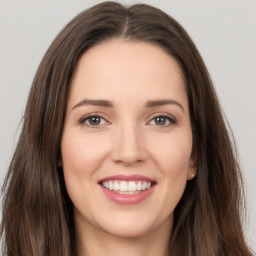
37,214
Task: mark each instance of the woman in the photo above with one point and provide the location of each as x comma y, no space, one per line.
124,149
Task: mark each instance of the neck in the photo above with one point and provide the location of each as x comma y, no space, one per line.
95,242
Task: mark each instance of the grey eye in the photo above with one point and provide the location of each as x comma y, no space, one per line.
94,120
161,120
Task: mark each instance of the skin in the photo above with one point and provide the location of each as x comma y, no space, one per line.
128,140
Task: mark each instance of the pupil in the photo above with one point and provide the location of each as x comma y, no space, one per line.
94,120
160,120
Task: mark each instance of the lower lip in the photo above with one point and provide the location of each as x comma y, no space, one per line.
128,199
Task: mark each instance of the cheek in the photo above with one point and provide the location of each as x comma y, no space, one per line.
80,155
173,154
81,158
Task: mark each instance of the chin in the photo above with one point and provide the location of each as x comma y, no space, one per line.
129,226
127,231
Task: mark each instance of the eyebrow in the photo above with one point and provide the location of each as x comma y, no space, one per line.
162,102
108,104
101,103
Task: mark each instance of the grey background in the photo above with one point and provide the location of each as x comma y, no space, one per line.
224,32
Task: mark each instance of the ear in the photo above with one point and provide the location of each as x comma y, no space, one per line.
192,171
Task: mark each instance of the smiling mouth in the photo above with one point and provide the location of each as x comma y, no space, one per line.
127,187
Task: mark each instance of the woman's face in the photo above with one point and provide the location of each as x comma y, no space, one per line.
127,139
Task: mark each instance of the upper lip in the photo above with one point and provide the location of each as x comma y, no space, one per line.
134,177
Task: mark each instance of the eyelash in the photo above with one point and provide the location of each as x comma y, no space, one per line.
170,118
87,118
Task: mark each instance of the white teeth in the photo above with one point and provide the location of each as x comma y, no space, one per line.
123,192
116,186
126,187
139,186
123,186
110,185
105,184
132,193
144,185
132,186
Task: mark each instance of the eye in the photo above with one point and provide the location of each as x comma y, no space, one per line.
162,120
93,121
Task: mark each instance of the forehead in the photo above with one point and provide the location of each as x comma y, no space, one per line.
120,67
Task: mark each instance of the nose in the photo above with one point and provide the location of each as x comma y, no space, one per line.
128,147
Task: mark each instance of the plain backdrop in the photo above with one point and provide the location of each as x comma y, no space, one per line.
224,32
